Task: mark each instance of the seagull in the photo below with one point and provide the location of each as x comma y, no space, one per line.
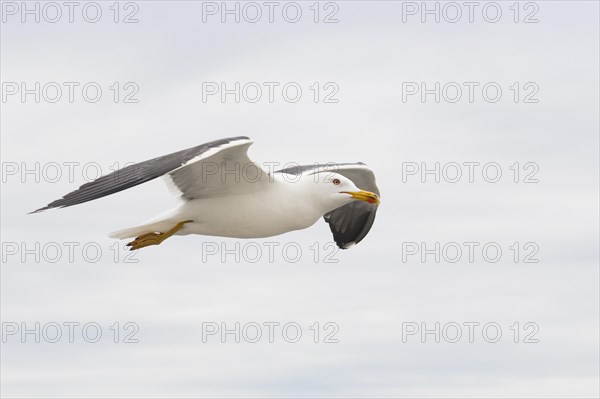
228,195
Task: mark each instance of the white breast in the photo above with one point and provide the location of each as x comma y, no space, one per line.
278,208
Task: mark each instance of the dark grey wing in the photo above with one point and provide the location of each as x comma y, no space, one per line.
136,174
349,223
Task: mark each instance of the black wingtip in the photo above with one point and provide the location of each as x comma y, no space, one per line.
346,245
41,209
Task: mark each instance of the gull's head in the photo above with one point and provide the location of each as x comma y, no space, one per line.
336,190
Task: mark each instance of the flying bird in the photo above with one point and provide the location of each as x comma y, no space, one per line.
226,194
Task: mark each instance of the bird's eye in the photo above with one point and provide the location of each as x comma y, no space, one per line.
336,181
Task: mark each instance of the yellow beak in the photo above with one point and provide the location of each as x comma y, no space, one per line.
368,196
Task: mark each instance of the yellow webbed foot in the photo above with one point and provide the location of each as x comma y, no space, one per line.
148,239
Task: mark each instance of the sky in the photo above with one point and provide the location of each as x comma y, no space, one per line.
478,279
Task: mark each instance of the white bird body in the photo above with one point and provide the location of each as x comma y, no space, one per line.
279,206
226,194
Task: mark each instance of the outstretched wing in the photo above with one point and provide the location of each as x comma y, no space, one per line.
197,171
349,223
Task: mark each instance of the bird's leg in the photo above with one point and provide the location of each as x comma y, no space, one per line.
155,238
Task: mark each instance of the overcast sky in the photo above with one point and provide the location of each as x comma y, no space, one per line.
517,93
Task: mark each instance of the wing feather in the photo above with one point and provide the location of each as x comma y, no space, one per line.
138,173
